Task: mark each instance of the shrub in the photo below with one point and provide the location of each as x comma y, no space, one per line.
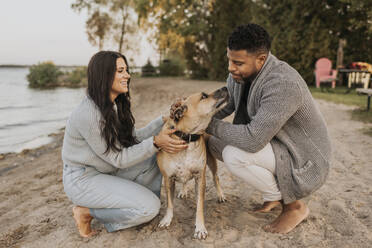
77,77
171,67
148,70
43,75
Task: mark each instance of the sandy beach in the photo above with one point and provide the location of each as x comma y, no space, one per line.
35,212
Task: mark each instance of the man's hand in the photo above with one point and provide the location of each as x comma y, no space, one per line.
168,144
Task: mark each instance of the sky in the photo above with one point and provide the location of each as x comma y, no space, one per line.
33,31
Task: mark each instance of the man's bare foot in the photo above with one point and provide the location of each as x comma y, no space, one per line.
292,215
267,206
83,219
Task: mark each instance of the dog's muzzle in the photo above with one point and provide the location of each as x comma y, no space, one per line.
222,95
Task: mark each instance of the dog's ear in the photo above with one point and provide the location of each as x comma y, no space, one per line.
177,110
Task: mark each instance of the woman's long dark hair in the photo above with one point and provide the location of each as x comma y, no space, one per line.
116,129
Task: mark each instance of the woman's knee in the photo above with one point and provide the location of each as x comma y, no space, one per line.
151,209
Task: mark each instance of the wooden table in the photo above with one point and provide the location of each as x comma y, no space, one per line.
367,92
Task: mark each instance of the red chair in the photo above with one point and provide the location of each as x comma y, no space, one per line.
324,73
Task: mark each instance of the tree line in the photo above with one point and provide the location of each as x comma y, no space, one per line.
197,31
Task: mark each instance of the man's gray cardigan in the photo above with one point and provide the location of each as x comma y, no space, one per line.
281,111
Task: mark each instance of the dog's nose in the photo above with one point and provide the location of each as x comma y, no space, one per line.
222,92
223,89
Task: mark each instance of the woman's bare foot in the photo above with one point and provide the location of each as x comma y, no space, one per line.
292,215
267,206
83,219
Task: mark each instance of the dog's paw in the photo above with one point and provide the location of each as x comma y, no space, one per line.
182,195
200,232
166,221
221,199
186,189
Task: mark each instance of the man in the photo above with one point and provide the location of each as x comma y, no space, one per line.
278,141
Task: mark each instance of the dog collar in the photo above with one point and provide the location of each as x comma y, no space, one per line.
187,137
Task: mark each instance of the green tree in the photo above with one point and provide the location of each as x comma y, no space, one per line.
355,27
304,31
197,30
298,32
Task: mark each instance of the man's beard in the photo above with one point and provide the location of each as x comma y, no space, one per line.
250,78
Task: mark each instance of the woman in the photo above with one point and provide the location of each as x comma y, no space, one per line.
110,169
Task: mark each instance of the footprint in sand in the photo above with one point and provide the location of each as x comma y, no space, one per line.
340,218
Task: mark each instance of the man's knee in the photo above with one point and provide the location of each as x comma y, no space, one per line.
232,158
229,155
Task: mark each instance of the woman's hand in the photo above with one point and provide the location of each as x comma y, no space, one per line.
168,144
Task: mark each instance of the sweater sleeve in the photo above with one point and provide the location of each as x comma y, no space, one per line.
89,129
153,128
278,102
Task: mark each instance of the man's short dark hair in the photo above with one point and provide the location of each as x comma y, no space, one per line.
250,37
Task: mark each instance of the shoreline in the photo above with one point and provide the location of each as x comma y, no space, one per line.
52,135
36,213
32,153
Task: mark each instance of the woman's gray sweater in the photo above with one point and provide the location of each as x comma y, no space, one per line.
84,146
281,111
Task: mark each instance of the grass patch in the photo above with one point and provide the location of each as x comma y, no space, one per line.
362,115
338,95
367,131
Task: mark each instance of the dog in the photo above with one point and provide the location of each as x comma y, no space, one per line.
190,117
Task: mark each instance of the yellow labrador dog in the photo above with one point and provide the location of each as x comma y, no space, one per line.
190,117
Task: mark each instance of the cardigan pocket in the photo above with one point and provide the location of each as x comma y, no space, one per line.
307,179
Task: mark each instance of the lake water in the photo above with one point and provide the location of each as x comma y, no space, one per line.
28,115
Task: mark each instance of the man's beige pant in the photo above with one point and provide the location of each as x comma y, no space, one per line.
257,169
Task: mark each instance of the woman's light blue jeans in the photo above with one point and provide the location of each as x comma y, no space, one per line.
122,199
